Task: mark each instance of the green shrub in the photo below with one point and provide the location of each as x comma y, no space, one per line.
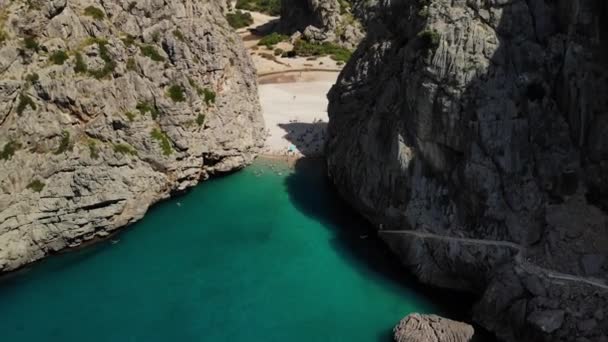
272,39
130,116
3,36
36,185
129,40
270,7
93,149
179,35
124,149
279,52
131,64
430,39
176,93
306,49
239,19
200,119
24,101
163,140
151,52
59,57
146,107
81,66
9,150
64,144
30,43
109,64
209,96
94,12
32,78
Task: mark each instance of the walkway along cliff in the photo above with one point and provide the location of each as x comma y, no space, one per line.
107,107
473,135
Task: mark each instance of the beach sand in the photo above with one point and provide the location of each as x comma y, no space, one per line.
296,113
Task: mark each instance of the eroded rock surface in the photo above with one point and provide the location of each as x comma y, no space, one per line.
107,107
473,135
432,328
322,21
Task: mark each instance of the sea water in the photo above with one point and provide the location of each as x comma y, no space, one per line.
269,253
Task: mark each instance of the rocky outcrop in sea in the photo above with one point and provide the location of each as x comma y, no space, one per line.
107,107
432,328
472,134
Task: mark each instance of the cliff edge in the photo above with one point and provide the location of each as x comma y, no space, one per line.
107,107
472,134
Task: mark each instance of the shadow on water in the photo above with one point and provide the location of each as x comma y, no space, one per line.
308,138
357,243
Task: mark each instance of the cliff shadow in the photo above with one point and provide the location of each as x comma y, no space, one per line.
308,138
357,243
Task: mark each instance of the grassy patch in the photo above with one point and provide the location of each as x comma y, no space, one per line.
151,52
278,52
129,40
36,185
239,19
272,39
270,7
163,140
306,49
176,93
130,116
30,43
94,152
124,149
81,66
109,64
32,78
24,102
9,150
59,57
145,107
3,36
64,144
209,96
94,12
200,119
131,64
179,35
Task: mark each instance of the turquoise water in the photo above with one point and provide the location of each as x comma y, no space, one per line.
264,254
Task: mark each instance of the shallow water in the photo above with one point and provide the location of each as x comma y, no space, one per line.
265,254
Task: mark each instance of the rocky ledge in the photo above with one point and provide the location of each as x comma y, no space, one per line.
473,135
432,328
320,21
107,107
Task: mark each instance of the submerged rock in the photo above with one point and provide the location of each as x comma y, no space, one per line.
107,107
432,328
472,134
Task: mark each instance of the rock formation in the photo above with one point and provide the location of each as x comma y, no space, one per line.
432,328
107,107
473,135
321,21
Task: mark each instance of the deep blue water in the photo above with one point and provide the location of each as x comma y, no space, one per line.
265,254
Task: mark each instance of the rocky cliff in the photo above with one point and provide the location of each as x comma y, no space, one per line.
322,21
108,106
473,135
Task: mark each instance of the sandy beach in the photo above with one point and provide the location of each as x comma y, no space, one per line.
296,113
293,94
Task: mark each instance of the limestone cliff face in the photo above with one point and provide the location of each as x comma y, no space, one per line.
322,21
109,106
473,134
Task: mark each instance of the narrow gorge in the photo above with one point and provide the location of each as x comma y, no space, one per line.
408,170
